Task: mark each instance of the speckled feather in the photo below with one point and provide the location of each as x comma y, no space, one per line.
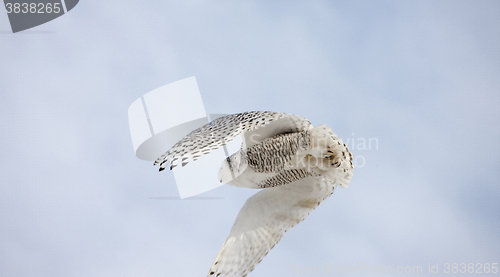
286,177
214,135
275,155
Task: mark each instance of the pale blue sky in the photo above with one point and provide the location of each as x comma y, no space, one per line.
422,77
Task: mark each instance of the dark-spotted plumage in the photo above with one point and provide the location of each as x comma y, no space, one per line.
214,135
296,165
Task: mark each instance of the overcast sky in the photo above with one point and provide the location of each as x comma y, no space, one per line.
422,78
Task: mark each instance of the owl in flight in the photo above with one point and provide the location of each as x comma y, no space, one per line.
296,165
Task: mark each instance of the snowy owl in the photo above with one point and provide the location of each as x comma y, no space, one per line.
296,165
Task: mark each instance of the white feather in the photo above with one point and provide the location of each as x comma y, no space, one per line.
298,165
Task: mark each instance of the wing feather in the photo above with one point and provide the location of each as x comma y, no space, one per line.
263,221
225,129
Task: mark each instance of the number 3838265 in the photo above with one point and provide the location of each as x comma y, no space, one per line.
470,268
33,7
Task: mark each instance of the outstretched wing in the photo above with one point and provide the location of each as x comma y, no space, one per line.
289,123
223,130
263,221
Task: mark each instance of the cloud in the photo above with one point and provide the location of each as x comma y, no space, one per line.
421,77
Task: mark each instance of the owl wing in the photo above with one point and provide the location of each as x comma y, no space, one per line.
225,129
263,221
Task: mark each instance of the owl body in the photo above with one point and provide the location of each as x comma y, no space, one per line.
296,165
286,158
